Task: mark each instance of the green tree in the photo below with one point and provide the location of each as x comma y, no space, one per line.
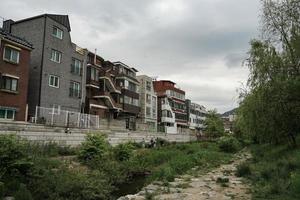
214,124
270,106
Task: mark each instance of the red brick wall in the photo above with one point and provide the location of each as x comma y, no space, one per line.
20,70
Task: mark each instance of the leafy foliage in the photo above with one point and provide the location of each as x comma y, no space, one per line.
214,124
229,144
270,106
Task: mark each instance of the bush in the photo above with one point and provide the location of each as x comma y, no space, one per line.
95,146
123,152
229,144
243,169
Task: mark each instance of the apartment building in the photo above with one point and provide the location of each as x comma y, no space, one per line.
103,95
126,79
14,75
172,113
148,103
196,115
56,64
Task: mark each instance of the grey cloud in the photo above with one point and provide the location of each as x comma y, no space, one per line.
202,38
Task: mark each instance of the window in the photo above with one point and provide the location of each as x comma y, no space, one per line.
11,55
148,111
55,56
131,101
148,98
9,83
94,74
57,32
6,113
75,89
148,85
54,81
76,66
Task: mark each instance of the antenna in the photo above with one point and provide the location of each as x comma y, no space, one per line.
2,19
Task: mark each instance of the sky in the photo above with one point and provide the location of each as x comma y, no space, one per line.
198,44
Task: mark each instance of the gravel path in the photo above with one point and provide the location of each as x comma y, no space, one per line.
218,184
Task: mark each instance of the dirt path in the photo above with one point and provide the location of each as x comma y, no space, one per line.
218,184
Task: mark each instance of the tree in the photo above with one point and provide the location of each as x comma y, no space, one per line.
270,107
214,124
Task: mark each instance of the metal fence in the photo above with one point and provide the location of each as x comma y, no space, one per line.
65,118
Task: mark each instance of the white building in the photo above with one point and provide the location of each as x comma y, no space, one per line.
197,115
148,103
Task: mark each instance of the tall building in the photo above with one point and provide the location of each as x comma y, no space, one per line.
172,113
103,95
196,115
56,64
148,103
126,79
14,75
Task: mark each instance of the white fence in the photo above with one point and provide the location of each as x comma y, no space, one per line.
65,118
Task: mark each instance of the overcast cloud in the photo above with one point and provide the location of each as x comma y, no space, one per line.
199,44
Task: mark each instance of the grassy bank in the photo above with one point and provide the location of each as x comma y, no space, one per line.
95,170
274,172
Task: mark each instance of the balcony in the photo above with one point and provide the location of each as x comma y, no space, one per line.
105,77
109,101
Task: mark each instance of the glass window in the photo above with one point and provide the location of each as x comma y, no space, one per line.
148,85
94,74
148,111
148,98
57,32
9,83
7,113
76,66
75,90
54,81
11,55
55,56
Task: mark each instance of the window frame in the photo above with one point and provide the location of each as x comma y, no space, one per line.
11,53
74,69
73,92
5,114
57,31
3,83
49,81
53,58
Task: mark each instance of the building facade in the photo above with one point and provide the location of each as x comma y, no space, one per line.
14,75
127,81
172,113
56,67
148,103
196,115
103,95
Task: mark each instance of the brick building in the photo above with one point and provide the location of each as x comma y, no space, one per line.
14,72
56,67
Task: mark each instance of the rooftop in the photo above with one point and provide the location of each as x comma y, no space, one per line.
14,38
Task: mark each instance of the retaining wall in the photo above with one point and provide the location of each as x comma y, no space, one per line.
75,137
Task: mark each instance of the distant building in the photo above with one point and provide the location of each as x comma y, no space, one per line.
148,103
228,119
196,115
172,113
14,75
56,66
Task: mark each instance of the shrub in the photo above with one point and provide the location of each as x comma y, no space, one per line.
229,144
123,151
23,193
295,184
95,146
243,169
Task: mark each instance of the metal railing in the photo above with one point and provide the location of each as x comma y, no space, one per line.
57,117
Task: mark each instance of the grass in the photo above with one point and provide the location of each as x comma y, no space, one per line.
274,172
96,170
